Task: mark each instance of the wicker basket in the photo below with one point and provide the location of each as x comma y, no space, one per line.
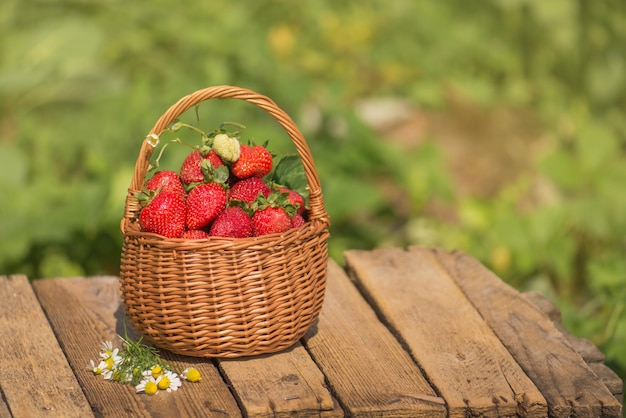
224,297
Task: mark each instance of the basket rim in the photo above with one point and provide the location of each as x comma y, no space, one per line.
317,212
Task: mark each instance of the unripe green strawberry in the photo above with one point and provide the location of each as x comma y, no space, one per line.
270,220
204,203
191,170
248,190
164,214
233,222
227,147
253,161
166,181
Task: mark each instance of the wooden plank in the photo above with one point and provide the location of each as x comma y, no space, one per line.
85,312
285,384
365,365
587,350
4,408
612,381
545,305
566,381
35,378
459,353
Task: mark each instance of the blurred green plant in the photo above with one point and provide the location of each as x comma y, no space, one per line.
82,82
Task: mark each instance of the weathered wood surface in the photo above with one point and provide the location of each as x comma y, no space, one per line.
461,355
585,348
280,385
365,365
35,378
85,312
421,334
562,375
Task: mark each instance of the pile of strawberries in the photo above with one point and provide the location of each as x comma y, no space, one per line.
220,191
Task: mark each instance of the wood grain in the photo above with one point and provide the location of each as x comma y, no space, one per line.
84,313
365,365
585,348
285,384
423,333
35,378
566,381
459,353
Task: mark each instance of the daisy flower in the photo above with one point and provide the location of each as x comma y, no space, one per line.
106,348
137,364
192,375
148,386
97,369
155,371
110,355
122,376
107,374
168,381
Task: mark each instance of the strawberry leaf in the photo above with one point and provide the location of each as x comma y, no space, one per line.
289,172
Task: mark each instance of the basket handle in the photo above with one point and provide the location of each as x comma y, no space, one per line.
316,202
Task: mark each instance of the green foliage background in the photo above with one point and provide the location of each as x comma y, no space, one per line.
81,83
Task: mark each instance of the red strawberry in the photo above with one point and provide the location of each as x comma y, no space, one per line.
167,181
204,203
195,234
253,161
294,198
233,222
191,169
164,215
270,220
248,189
297,221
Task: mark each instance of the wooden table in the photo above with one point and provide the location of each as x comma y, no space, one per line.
403,333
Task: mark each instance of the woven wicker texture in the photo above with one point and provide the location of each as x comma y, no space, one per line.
224,297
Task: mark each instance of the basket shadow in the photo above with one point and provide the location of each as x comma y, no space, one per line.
122,326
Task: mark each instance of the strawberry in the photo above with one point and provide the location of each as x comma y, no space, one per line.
253,161
164,214
271,220
191,171
204,203
227,147
294,198
248,190
233,222
297,221
166,181
195,234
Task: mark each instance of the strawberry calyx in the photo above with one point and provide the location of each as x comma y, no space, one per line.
146,196
214,174
295,197
275,199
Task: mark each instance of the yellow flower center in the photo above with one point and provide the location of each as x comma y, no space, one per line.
164,383
193,375
110,362
157,371
151,388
